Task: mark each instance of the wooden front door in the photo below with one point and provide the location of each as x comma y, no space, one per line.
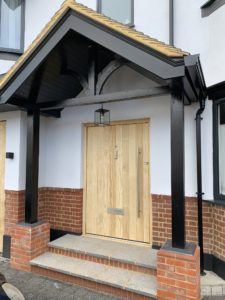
117,181
2,177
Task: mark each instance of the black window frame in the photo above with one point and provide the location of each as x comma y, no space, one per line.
217,195
131,24
22,33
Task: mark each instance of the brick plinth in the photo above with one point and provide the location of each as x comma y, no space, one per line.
28,241
178,274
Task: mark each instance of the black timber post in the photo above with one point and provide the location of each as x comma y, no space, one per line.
177,165
31,194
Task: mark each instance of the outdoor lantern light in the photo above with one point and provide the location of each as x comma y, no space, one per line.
102,117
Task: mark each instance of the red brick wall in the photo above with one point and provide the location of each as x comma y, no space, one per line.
219,231
213,223
62,208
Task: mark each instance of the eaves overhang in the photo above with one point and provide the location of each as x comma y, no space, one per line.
194,82
216,91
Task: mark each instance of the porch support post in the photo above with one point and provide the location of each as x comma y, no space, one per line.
31,193
177,165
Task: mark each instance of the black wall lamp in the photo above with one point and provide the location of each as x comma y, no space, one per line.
102,117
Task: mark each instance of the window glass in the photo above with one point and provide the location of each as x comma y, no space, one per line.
10,24
221,135
119,10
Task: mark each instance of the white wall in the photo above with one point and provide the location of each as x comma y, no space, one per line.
207,152
64,141
152,18
202,36
13,144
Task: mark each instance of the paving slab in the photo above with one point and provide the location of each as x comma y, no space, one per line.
139,283
212,285
137,254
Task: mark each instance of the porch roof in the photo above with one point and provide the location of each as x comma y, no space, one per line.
131,33
50,52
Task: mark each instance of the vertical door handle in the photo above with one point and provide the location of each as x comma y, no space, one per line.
139,180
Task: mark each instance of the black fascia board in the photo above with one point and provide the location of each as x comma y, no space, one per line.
216,91
174,61
212,5
195,77
165,68
208,3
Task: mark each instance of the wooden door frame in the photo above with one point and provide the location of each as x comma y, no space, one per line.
119,122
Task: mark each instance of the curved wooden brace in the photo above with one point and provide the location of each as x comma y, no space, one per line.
107,73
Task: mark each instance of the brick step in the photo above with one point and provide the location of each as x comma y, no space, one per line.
111,253
120,282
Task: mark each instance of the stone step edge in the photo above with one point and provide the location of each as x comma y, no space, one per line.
88,282
101,259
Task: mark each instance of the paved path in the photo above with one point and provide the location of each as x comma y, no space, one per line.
35,287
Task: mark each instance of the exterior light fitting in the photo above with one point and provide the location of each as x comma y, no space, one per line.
102,117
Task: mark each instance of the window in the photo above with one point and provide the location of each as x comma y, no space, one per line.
219,149
119,10
11,25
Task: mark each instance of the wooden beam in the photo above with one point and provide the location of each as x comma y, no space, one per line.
36,84
177,165
92,72
112,97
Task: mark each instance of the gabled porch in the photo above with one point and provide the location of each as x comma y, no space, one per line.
69,65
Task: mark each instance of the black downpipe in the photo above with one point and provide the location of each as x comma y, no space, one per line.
171,22
199,181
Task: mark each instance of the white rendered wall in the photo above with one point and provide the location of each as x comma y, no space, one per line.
152,18
13,144
64,140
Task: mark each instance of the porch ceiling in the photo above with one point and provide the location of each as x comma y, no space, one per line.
78,40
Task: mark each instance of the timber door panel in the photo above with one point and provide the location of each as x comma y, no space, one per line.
2,177
117,187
